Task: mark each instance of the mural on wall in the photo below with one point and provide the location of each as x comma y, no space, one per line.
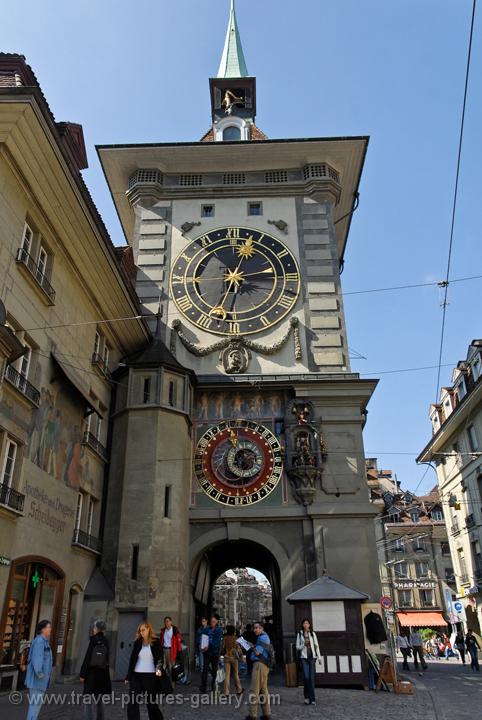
224,405
55,438
54,435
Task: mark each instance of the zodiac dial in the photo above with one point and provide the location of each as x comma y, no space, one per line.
238,462
235,281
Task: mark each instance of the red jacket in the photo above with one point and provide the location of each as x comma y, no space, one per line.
175,644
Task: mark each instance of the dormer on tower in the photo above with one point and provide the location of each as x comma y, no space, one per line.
233,91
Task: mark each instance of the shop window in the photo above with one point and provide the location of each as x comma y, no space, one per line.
34,592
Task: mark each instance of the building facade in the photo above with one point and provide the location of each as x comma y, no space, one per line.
241,431
455,450
241,598
56,352
416,567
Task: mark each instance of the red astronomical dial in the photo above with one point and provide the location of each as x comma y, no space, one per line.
238,462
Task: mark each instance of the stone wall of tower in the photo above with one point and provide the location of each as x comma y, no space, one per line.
310,236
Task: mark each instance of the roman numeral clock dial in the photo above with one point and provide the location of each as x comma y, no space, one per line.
235,281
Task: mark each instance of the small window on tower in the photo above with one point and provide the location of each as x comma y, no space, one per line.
232,133
146,391
207,211
255,208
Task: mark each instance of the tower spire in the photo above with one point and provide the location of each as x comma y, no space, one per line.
233,64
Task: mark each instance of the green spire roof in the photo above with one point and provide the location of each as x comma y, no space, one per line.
233,64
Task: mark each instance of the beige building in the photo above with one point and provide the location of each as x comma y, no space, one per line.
241,598
455,449
57,353
415,563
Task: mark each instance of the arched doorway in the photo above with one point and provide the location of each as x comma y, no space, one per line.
221,556
34,592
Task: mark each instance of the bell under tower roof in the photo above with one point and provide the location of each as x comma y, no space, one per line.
233,64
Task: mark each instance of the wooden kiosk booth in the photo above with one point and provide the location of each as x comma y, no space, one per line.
334,610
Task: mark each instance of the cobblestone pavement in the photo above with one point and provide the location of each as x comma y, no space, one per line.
455,690
332,704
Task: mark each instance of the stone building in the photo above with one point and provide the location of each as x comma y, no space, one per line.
238,242
241,599
56,353
455,450
413,550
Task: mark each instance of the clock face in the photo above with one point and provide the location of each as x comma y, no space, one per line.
238,462
235,281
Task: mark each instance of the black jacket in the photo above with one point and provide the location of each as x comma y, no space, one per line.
156,650
97,680
375,629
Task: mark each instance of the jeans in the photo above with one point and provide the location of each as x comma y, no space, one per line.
35,700
210,665
308,667
417,651
474,658
92,706
404,652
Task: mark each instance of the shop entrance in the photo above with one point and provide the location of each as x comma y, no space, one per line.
34,593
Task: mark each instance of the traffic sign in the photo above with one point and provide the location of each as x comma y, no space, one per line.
386,602
458,606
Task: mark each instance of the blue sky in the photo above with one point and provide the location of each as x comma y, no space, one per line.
394,70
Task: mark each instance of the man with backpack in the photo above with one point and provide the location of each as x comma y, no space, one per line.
262,655
94,672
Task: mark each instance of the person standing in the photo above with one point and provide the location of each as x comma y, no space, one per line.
472,648
417,649
259,693
94,672
39,668
202,630
460,645
171,643
250,637
211,653
145,669
231,652
309,652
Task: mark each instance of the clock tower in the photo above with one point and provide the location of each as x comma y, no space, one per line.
237,435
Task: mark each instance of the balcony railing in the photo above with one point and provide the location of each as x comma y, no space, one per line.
455,528
20,382
11,498
23,258
99,363
84,540
95,444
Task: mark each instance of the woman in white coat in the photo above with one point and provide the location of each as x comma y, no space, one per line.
308,652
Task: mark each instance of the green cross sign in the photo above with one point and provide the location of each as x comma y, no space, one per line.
35,578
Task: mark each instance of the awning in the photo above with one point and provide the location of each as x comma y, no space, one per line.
76,383
421,619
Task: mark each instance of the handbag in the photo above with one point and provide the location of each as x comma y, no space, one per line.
177,672
220,675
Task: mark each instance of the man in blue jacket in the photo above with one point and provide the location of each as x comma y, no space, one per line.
211,653
39,669
261,658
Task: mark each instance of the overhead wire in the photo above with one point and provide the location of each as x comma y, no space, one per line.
455,196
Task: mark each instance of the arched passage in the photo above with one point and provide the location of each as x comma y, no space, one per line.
214,553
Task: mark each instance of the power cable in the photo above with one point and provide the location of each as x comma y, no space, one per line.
454,204
439,283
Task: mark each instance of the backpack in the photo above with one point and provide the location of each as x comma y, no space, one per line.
100,656
270,661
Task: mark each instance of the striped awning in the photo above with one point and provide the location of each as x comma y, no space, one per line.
421,619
